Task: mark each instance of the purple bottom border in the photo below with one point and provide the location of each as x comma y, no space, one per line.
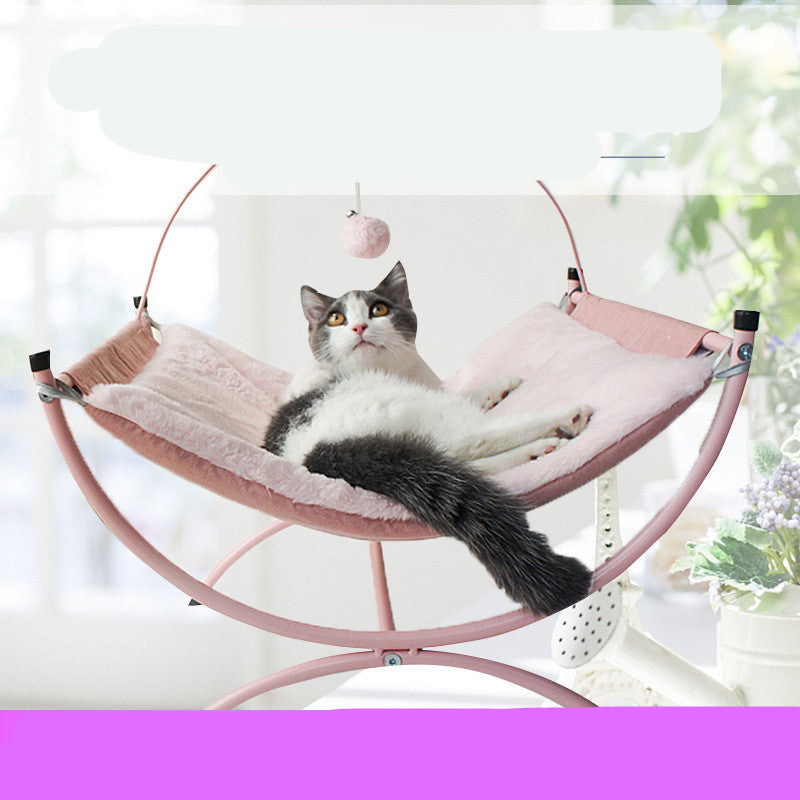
655,752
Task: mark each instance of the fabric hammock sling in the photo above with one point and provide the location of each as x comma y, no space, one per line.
199,407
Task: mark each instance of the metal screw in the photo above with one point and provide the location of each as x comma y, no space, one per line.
745,352
392,660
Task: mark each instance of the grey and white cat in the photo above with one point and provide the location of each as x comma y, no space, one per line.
369,410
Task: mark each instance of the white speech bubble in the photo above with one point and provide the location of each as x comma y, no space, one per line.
302,107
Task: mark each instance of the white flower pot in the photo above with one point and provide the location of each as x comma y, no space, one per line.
759,651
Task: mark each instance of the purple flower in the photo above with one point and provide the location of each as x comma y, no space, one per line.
776,500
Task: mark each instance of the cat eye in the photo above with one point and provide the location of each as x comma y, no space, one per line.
335,318
379,310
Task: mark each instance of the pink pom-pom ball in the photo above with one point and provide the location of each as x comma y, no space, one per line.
365,237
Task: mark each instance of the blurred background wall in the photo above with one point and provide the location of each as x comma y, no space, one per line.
82,623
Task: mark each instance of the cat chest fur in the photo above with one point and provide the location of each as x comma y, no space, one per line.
370,403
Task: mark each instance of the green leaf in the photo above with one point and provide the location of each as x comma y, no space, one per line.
730,527
708,572
683,563
746,556
774,579
761,539
720,552
697,213
740,575
748,516
762,216
765,457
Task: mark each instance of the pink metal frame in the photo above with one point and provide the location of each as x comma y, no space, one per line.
387,645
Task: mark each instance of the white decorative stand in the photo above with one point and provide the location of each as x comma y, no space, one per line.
601,681
602,642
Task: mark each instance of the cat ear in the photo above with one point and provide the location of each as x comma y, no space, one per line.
395,286
314,304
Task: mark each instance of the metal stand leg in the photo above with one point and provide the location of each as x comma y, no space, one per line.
382,600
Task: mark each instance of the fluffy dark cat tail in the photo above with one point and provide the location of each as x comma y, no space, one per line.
455,500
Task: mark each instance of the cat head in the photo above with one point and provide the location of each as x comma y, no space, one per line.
361,329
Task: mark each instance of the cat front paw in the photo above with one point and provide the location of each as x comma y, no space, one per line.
492,393
508,383
575,421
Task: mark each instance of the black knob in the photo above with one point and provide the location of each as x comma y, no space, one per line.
745,320
40,361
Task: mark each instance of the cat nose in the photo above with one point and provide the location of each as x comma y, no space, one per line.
359,329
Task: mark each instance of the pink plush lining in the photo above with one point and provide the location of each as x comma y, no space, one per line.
634,395
200,408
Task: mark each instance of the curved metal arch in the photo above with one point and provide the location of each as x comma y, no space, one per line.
349,662
242,549
385,639
142,305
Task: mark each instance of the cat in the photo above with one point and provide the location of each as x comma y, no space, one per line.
370,411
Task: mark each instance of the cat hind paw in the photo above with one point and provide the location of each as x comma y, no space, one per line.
576,420
543,447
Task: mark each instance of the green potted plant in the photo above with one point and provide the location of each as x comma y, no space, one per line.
737,227
753,567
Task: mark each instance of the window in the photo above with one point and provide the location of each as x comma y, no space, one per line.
72,259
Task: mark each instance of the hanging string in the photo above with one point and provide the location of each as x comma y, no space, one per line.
143,300
571,237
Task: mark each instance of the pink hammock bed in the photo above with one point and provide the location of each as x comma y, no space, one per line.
199,407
